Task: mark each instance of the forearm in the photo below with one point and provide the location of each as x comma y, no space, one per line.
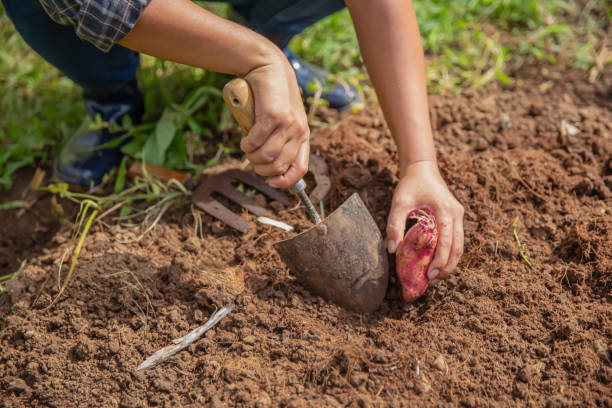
391,48
181,31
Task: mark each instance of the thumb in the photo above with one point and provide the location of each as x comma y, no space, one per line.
396,224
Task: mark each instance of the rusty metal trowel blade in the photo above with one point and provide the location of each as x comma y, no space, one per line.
343,259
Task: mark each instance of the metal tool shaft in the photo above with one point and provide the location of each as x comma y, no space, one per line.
299,189
311,210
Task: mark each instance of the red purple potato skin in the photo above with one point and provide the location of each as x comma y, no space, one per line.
414,254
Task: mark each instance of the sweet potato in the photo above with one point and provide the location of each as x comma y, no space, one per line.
414,254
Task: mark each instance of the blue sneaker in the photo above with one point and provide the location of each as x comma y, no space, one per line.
339,97
85,160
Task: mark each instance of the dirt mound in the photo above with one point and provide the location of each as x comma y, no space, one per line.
498,333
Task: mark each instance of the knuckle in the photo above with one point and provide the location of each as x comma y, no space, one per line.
274,116
267,129
284,184
301,169
391,232
292,121
261,170
268,156
393,227
247,144
282,116
444,228
445,220
302,127
267,124
273,169
279,168
444,244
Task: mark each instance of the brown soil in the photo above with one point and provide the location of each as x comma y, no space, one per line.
496,334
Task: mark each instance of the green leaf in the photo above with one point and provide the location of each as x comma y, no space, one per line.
120,181
211,162
135,146
207,133
125,211
156,146
194,126
10,205
164,134
177,153
126,122
12,167
503,77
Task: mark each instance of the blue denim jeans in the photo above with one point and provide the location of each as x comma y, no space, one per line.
98,72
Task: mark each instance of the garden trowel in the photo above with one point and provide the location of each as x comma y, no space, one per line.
342,258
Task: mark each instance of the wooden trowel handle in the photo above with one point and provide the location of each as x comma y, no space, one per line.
239,99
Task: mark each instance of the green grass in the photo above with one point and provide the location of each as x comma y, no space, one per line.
157,196
471,42
38,105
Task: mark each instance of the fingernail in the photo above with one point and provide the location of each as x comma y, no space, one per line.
433,274
434,282
391,246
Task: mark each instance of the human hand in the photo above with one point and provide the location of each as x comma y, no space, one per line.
421,185
278,145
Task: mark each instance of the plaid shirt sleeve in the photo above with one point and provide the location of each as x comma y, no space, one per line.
100,22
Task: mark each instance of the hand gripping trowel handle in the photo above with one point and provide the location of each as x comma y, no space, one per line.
238,96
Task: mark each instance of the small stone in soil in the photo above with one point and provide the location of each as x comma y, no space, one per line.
469,402
192,244
440,364
263,400
557,401
520,390
15,385
422,387
162,385
357,379
27,335
541,351
250,340
530,372
600,348
380,357
80,351
129,402
113,347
